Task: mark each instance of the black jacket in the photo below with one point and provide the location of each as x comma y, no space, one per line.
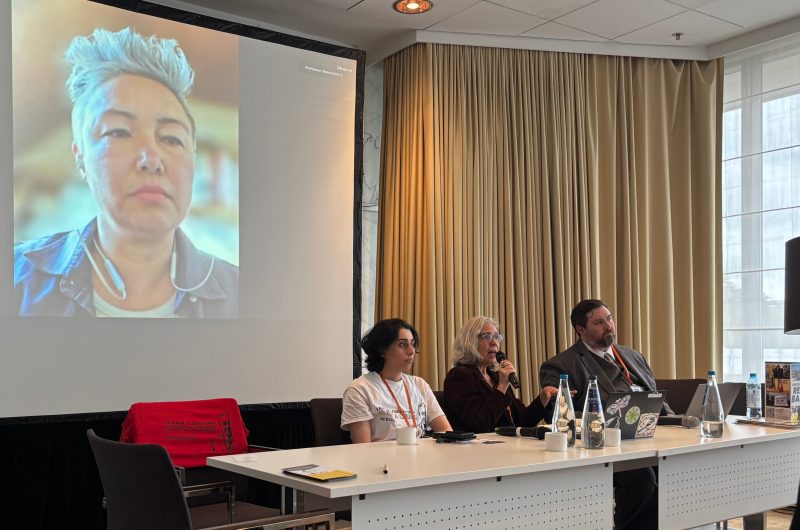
580,363
472,405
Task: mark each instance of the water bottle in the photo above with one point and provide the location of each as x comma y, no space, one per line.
712,418
564,413
593,423
753,398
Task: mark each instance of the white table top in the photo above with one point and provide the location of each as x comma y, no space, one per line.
429,463
674,440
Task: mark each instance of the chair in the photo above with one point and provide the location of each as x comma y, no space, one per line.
143,491
739,406
191,431
679,392
439,395
326,416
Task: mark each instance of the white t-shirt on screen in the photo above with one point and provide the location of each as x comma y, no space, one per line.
367,399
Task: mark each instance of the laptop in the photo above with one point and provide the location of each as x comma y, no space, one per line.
635,414
728,392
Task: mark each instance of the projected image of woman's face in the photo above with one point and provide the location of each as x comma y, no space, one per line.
137,155
144,225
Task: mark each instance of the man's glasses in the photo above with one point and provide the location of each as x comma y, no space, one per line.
489,336
406,344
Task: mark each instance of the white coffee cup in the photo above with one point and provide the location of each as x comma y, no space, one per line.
555,441
613,437
406,435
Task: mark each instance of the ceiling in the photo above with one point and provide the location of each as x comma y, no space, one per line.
708,28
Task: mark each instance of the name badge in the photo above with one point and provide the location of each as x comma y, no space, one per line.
636,388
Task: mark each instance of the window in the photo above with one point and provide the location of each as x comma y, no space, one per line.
760,202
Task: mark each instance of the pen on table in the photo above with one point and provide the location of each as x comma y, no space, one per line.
385,469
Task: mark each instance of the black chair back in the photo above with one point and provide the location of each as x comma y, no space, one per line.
679,392
439,395
739,407
326,416
141,487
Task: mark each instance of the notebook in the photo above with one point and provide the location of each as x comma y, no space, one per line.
728,392
322,474
635,414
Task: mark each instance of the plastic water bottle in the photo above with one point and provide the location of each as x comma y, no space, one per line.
593,423
564,413
712,418
753,398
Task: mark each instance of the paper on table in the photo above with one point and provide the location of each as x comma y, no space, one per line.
769,423
316,472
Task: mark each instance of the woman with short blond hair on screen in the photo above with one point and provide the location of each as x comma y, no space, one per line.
134,145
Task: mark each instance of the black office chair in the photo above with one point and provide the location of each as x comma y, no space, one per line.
326,416
739,406
439,395
148,423
679,392
143,491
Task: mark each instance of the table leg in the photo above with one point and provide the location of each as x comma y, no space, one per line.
756,521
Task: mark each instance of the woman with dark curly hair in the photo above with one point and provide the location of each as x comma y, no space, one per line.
385,398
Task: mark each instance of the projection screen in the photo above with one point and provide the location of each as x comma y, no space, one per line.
177,226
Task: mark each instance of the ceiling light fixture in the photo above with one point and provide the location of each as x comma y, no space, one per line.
412,7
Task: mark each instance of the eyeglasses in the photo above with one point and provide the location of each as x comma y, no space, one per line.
406,344
489,336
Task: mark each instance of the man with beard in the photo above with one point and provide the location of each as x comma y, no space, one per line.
618,369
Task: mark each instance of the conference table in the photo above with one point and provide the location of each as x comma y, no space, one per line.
517,484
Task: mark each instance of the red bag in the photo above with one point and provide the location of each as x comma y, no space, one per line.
189,430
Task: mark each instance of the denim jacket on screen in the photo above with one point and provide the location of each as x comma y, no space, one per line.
53,277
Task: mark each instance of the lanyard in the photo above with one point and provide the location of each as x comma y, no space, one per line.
625,368
408,397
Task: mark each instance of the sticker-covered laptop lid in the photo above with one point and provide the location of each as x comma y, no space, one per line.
635,414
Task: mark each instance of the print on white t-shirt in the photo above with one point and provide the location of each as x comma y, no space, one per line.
367,399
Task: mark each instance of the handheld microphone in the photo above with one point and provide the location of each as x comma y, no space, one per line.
528,432
512,378
690,422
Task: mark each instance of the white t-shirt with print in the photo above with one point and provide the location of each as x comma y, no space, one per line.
367,399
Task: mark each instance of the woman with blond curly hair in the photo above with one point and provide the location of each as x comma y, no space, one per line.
477,390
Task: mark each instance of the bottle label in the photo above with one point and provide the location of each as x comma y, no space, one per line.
754,398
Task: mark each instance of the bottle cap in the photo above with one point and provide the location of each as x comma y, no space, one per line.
592,378
753,374
564,376
712,372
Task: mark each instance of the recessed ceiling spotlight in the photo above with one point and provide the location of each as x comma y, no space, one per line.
412,7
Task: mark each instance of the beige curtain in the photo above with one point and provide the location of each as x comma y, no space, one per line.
656,154
514,183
